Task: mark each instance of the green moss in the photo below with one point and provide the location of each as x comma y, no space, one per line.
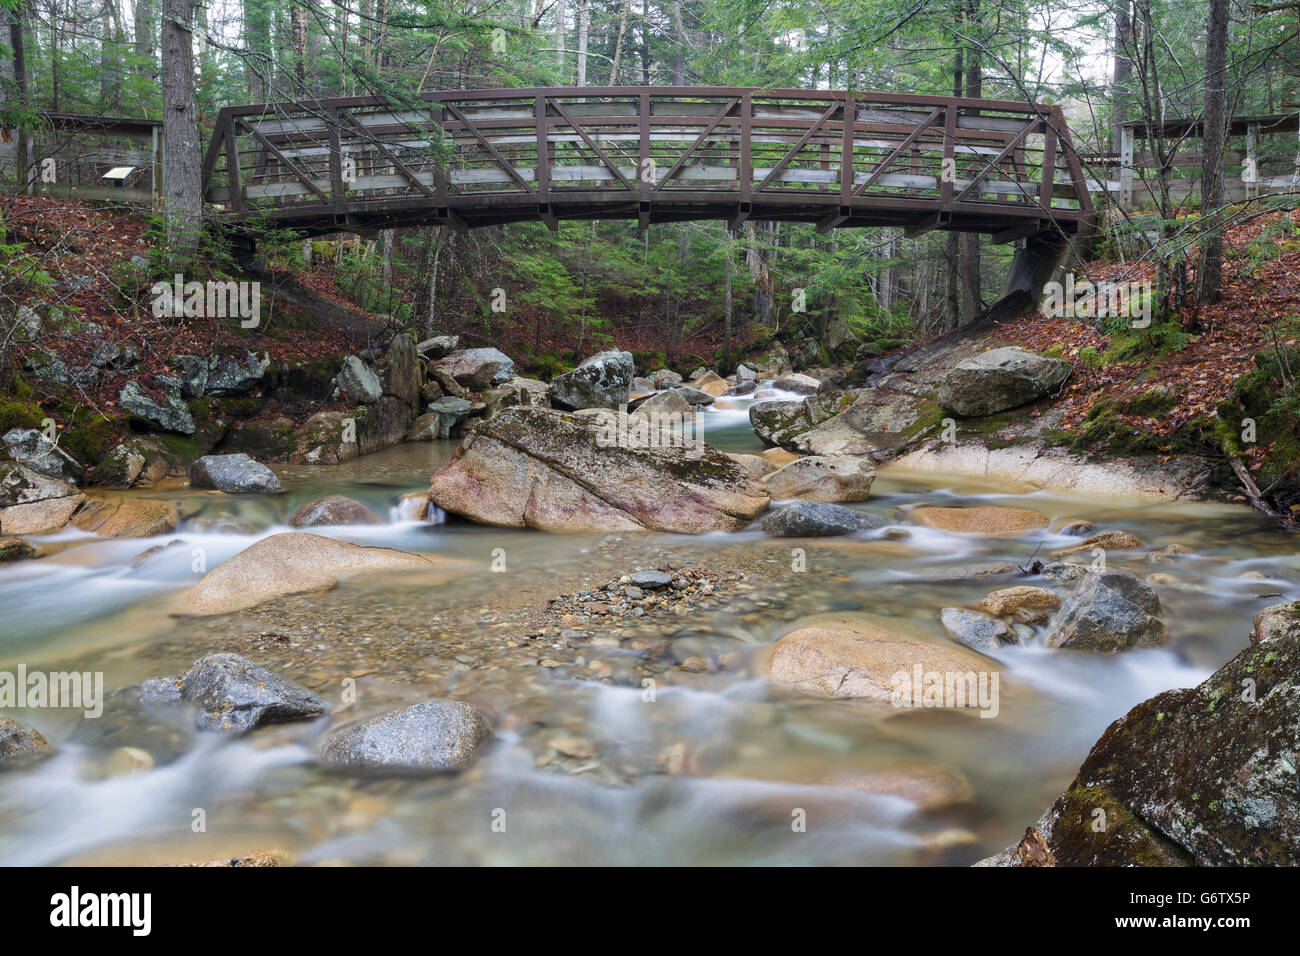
16,413
88,436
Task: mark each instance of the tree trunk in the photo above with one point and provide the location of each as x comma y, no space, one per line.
618,43
584,28
182,180
298,29
1210,271
970,241
1123,68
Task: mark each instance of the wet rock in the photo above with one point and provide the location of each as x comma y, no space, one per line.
219,524
711,383
438,347
133,462
602,381
806,519
332,510
359,382
1106,541
113,516
477,369
15,549
33,450
1202,776
693,396
233,695
985,520
1280,622
234,474
1008,601
327,438
999,379
1064,572
822,478
859,661
977,631
744,388
32,503
876,422
651,579
293,563
1109,611
1076,528
235,375
433,736
777,423
532,467
797,383
665,377
19,742
170,414
442,420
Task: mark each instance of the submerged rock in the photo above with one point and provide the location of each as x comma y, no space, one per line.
807,519
234,474
999,379
333,509
985,520
818,478
538,468
1109,611
860,660
1106,541
115,516
1203,776
602,381
433,736
292,563
19,742
233,695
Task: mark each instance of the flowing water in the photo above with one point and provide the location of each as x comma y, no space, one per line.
708,767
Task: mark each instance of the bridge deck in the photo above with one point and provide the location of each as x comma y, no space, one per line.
471,158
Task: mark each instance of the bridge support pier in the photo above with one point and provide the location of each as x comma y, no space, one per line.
1036,265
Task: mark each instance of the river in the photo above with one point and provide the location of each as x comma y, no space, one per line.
712,767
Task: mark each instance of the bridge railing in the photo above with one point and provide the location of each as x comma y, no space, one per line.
484,156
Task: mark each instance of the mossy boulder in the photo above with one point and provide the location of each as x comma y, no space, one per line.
1204,776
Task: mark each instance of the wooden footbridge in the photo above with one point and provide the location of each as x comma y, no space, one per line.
471,158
